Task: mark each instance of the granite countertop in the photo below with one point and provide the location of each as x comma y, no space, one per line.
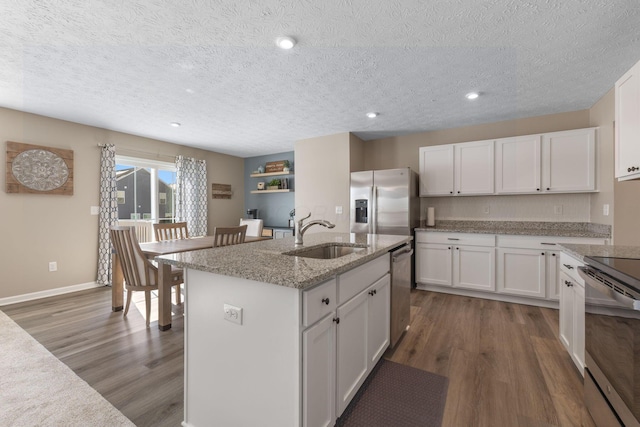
264,261
615,251
527,228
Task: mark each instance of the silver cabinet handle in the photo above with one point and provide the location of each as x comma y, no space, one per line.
549,244
451,238
568,283
569,267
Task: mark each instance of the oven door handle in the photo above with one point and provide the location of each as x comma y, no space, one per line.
623,300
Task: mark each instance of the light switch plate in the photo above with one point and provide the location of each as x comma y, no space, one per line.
95,210
338,210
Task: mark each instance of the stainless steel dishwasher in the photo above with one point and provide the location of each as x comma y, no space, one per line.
400,291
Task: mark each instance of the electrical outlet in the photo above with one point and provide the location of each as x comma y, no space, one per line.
53,266
233,314
95,210
486,209
605,210
557,209
338,210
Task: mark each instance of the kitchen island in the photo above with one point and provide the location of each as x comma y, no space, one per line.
275,339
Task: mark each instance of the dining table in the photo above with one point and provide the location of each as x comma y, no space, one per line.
151,250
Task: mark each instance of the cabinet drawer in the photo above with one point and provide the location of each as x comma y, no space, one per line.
355,281
469,239
546,243
318,301
569,265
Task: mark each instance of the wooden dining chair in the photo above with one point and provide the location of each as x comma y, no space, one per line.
140,273
171,231
225,236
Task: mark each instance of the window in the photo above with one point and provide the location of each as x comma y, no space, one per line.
146,189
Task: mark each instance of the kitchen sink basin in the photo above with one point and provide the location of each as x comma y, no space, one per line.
326,252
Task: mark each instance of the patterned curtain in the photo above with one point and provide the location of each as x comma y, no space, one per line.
108,211
191,194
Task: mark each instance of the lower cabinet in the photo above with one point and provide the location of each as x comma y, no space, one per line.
319,373
572,300
341,349
474,267
460,260
522,272
509,267
433,264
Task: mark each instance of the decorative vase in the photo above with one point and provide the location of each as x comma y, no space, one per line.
261,186
260,169
285,170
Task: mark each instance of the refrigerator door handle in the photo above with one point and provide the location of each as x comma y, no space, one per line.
374,209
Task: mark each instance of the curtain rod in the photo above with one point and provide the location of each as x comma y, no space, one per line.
144,153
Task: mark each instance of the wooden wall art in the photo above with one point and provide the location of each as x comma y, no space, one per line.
221,191
38,169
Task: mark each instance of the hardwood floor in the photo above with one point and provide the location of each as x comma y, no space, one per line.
504,362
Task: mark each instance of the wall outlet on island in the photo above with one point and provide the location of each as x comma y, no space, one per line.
233,314
557,209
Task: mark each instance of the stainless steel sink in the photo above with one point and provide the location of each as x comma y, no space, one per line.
326,252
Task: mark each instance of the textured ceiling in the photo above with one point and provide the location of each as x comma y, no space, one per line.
136,65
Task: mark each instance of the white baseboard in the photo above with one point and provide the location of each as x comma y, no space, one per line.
48,293
489,295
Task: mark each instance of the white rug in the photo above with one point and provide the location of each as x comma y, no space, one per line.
36,389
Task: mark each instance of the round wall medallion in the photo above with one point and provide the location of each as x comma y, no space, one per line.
40,170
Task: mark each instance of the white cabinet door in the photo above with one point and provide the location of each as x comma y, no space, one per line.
352,349
578,326
474,267
569,161
518,165
433,264
318,373
522,272
566,311
474,171
379,319
553,279
627,134
436,170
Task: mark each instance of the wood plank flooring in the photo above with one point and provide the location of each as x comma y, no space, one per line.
504,362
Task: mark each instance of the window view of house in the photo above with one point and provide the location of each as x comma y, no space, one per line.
146,194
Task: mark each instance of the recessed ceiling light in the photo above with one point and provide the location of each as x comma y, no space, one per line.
190,90
472,95
373,115
285,42
175,124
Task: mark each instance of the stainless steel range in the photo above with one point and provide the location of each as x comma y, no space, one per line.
612,340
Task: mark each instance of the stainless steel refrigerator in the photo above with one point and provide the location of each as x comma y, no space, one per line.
386,202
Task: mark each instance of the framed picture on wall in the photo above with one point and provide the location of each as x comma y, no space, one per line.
38,169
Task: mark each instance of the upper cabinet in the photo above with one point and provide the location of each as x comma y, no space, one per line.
436,170
457,169
555,162
627,139
518,165
569,161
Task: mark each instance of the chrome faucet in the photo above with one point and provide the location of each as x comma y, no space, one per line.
300,229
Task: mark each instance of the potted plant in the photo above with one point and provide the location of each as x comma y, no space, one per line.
286,166
274,184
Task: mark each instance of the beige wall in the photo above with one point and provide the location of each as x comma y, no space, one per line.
403,151
322,179
602,115
38,228
356,154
